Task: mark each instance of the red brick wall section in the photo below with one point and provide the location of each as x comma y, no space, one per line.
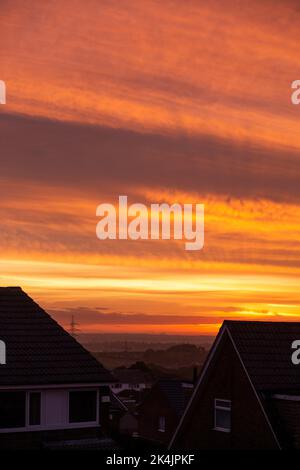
289,412
225,379
156,405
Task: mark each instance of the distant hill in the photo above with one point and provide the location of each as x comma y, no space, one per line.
115,342
176,357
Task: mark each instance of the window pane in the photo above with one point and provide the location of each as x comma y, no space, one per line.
35,408
223,403
82,407
162,424
12,409
223,419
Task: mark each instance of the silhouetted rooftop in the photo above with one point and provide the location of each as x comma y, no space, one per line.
39,351
265,349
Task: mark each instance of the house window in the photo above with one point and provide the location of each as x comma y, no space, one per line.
83,407
162,424
222,415
12,410
34,408
105,399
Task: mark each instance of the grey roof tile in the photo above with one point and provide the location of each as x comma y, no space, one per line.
39,351
265,349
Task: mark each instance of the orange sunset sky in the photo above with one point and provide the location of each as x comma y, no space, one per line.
164,101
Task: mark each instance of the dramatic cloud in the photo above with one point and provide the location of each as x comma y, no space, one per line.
162,101
97,159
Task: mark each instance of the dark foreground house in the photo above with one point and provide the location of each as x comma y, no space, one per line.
160,411
248,394
117,410
52,391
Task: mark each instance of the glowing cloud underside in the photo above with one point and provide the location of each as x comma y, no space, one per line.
161,101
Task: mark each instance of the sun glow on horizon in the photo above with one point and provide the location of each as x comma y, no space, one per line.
164,102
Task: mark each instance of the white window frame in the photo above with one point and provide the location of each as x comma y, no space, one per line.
162,427
217,407
85,423
27,409
44,426
28,426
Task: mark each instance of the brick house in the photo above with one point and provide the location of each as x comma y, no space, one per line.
51,389
160,411
248,393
